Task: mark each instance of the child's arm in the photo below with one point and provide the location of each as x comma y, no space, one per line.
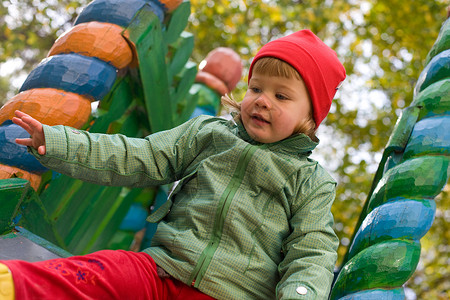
114,159
310,250
34,128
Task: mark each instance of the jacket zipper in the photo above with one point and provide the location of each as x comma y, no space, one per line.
221,213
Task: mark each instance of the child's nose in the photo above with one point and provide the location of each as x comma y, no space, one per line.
263,101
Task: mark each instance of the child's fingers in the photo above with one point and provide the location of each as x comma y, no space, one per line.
27,119
20,114
22,124
25,142
27,122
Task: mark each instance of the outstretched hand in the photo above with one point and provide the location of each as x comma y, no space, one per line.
34,128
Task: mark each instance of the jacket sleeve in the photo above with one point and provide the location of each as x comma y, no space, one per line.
310,250
119,160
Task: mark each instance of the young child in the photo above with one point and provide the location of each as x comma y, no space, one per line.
250,217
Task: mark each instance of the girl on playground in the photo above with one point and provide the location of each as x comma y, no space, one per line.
250,217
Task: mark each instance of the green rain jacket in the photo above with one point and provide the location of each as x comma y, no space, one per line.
246,220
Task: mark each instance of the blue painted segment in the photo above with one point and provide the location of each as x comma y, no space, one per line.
160,199
13,154
437,69
73,73
430,136
394,294
198,111
135,219
410,219
117,12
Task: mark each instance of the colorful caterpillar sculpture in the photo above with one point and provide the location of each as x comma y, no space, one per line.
400,209
132,57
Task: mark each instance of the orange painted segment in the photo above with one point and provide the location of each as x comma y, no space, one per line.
95,39
13,172
49,106
171,4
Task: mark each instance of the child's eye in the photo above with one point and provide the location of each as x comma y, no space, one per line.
281,97
256,90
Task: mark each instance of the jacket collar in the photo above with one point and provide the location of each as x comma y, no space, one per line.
299,144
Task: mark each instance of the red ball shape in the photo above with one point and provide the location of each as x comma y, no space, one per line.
225,64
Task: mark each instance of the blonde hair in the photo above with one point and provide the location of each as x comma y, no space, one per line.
271,66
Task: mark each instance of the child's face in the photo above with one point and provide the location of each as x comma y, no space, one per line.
274,107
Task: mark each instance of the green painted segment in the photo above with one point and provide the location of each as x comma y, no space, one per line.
402,130
100,200
164,70
182,52
384,265
442,42
434,100
121,240
187,106
100,221
208,98
64,187
113,106
12,193
183,106
147,36
178,22
422,177
35,219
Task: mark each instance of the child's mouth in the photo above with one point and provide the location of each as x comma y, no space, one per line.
259,119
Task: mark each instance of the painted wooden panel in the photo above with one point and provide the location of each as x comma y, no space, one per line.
74,73
49,106
12,192
94,39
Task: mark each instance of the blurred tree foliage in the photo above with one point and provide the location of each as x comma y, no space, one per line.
383,45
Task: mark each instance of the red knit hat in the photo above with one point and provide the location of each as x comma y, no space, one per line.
316,63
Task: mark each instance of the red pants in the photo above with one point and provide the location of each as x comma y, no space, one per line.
105,274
